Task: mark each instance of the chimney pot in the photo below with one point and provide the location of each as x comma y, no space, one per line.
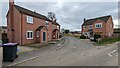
11,2
84,19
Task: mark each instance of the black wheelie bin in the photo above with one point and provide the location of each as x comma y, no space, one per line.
9,52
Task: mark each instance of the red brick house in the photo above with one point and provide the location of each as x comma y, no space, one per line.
101,25
27,27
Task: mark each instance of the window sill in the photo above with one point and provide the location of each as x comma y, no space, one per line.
29,38
98,28
29,23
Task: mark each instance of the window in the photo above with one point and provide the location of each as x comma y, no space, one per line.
90,27
84,27
37,34
47,23
98,25
30,19
29,34
57,27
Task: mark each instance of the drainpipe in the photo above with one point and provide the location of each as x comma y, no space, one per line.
21,29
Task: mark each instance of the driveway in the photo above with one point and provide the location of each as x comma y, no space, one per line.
77,52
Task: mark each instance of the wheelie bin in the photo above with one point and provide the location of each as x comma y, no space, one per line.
9,52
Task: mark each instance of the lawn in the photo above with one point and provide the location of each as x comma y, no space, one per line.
105,41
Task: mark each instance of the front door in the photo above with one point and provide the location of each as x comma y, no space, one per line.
57,35
44,36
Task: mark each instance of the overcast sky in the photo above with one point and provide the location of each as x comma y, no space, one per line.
69,14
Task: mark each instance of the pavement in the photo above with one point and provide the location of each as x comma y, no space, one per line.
77,52
0,56
26,53
38,45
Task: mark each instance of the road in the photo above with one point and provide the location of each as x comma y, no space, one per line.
78,52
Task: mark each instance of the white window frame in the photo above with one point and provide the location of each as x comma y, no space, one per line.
46,23
29,35
98,24
29,19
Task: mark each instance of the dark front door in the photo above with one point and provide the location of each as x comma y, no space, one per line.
57,35
44,36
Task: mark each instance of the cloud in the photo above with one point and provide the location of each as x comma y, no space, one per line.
70,14
63,0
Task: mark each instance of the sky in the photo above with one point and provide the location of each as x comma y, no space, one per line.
70,14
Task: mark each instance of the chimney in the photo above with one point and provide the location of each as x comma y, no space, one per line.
11,3
35,11
11,10
84,20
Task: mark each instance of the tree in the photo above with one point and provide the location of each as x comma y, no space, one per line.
67,31
51,16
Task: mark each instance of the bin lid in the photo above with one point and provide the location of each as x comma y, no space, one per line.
10,44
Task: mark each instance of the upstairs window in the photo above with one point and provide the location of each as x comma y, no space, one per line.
30,19
57,27
47,23
90,27
98,25
29,34
84,27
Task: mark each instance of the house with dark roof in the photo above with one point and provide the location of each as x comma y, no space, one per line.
27,27
100,25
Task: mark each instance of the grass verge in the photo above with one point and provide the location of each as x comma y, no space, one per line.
105,41
76,36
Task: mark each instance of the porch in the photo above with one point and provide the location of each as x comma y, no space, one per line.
56,34
41,35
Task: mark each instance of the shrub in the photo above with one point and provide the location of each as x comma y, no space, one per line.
82,37
96,36
67,31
